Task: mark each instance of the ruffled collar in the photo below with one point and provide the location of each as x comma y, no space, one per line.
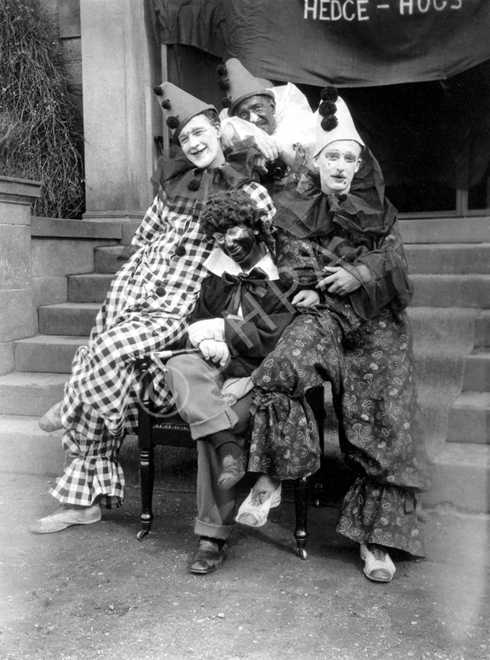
218,263
304,210
179,178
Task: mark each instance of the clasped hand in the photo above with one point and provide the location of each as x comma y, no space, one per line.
208,335
340,282
305,298
216,351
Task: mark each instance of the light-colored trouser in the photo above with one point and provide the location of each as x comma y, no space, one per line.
195,385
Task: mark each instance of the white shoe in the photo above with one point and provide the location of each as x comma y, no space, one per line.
51,421
255,509
65,517
378,565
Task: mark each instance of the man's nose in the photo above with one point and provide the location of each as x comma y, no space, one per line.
254,117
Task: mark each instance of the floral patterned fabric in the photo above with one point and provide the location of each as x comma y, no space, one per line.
369,363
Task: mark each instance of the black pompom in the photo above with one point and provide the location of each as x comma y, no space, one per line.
276,170
160,291
172,122
221,70
180,250
165,104
329,123
327,108
158,90
194,184
224,84
225,102
329,94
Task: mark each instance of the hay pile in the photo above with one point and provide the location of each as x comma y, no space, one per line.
40,133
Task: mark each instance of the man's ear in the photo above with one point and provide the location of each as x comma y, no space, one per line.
359,163
218,129
315,162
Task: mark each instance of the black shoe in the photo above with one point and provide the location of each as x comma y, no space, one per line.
209,555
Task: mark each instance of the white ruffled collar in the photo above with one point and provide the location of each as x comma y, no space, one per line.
218,263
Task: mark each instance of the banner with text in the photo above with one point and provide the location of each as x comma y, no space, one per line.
351,43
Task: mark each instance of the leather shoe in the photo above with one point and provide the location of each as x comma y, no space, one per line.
65,517
208,556
51,421
233,469
378,565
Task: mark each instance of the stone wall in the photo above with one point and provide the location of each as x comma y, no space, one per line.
65,19
17,313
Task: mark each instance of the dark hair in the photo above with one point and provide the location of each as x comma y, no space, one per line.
231,208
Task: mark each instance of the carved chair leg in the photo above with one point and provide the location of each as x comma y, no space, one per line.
301,509
147,476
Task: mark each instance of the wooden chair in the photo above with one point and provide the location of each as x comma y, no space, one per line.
172,431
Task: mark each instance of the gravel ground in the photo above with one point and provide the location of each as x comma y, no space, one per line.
96,592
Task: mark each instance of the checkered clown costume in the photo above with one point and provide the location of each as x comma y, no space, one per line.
146,309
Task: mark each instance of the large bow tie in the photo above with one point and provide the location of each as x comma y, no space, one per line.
254,282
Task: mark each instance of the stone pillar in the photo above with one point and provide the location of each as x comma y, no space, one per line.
17,320
120,67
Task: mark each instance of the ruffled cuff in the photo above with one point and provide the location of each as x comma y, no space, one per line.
386,515
84,480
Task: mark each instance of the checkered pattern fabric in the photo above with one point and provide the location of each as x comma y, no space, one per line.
146,310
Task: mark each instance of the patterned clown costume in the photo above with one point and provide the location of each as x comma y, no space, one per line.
362,345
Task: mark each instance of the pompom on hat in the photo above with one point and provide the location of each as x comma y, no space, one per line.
179,106
334,121
239,84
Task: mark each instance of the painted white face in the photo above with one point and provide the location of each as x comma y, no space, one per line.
337,164
200,142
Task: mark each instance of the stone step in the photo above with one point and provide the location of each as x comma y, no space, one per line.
438,316
91,288
46,353
477,371
25,449
30,393
74,319
482,329
461,477
451,291
472,229
106,259
448,258
469,419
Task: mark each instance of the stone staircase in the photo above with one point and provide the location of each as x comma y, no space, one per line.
452,275
42,365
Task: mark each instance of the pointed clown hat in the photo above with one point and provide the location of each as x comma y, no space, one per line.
179,106
334,121
239,84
